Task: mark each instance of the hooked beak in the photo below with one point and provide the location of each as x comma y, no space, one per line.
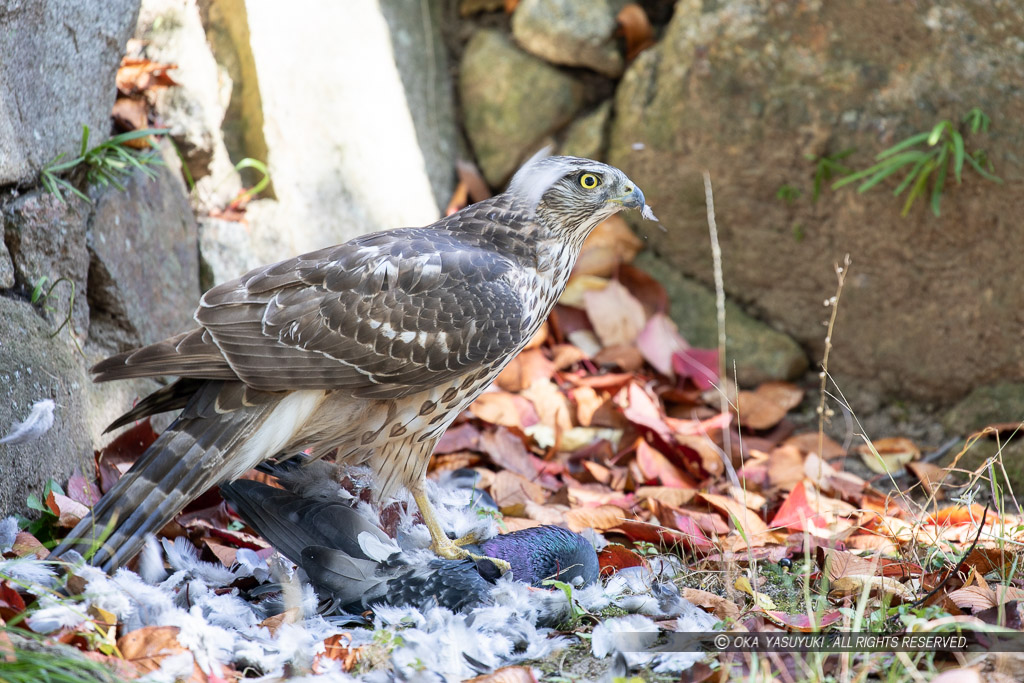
633,198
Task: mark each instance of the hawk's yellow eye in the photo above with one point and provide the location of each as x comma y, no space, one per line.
589,181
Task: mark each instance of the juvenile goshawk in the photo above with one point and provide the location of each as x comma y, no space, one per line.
371,347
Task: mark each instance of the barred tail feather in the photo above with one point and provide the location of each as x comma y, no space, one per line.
192,455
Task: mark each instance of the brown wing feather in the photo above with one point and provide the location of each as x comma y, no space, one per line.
380,316
190,354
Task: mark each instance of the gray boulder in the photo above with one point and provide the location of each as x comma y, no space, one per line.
571,33
35,365
56,75
511,101
46,238
144,268
749,92
760,353
587,136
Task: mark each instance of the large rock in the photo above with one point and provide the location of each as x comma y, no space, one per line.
46,239
760,353
749,89
6,265
56,75
144,269
171,31
570,32
587,136
511,101
999,403
335,124
35,366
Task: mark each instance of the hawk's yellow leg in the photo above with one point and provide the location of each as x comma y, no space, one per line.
444,546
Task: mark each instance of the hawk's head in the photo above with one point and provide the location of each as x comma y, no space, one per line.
575,194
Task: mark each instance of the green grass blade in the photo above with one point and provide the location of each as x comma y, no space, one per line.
909,177
918,188
892,165
936,134
85,141
985,174
940,181
899,147
958,154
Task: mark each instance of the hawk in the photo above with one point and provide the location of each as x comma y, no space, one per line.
370,349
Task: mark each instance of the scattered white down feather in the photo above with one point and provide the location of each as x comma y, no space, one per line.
38,422
8,533
221,627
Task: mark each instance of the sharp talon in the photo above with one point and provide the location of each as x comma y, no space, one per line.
451,551
444,546
469,539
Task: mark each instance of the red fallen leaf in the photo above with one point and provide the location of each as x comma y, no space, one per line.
239,538
796,512
615,557
11,602
959,514
463,437
636,29
125,449
616,314
694,535
507,451
659,341
69,511
692,539
700,365
641,410
83,490
656,467
470,175
801,622
645,288
459,199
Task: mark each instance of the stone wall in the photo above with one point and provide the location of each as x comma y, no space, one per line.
762,95
348,112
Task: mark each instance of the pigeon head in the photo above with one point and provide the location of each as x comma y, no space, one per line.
546,552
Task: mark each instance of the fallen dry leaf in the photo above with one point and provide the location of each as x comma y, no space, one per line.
600,518
574,292
888,456
659,341
809,442
636,29
508,674
616,314
138,75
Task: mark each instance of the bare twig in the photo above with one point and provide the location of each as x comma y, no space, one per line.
841,271
716,257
